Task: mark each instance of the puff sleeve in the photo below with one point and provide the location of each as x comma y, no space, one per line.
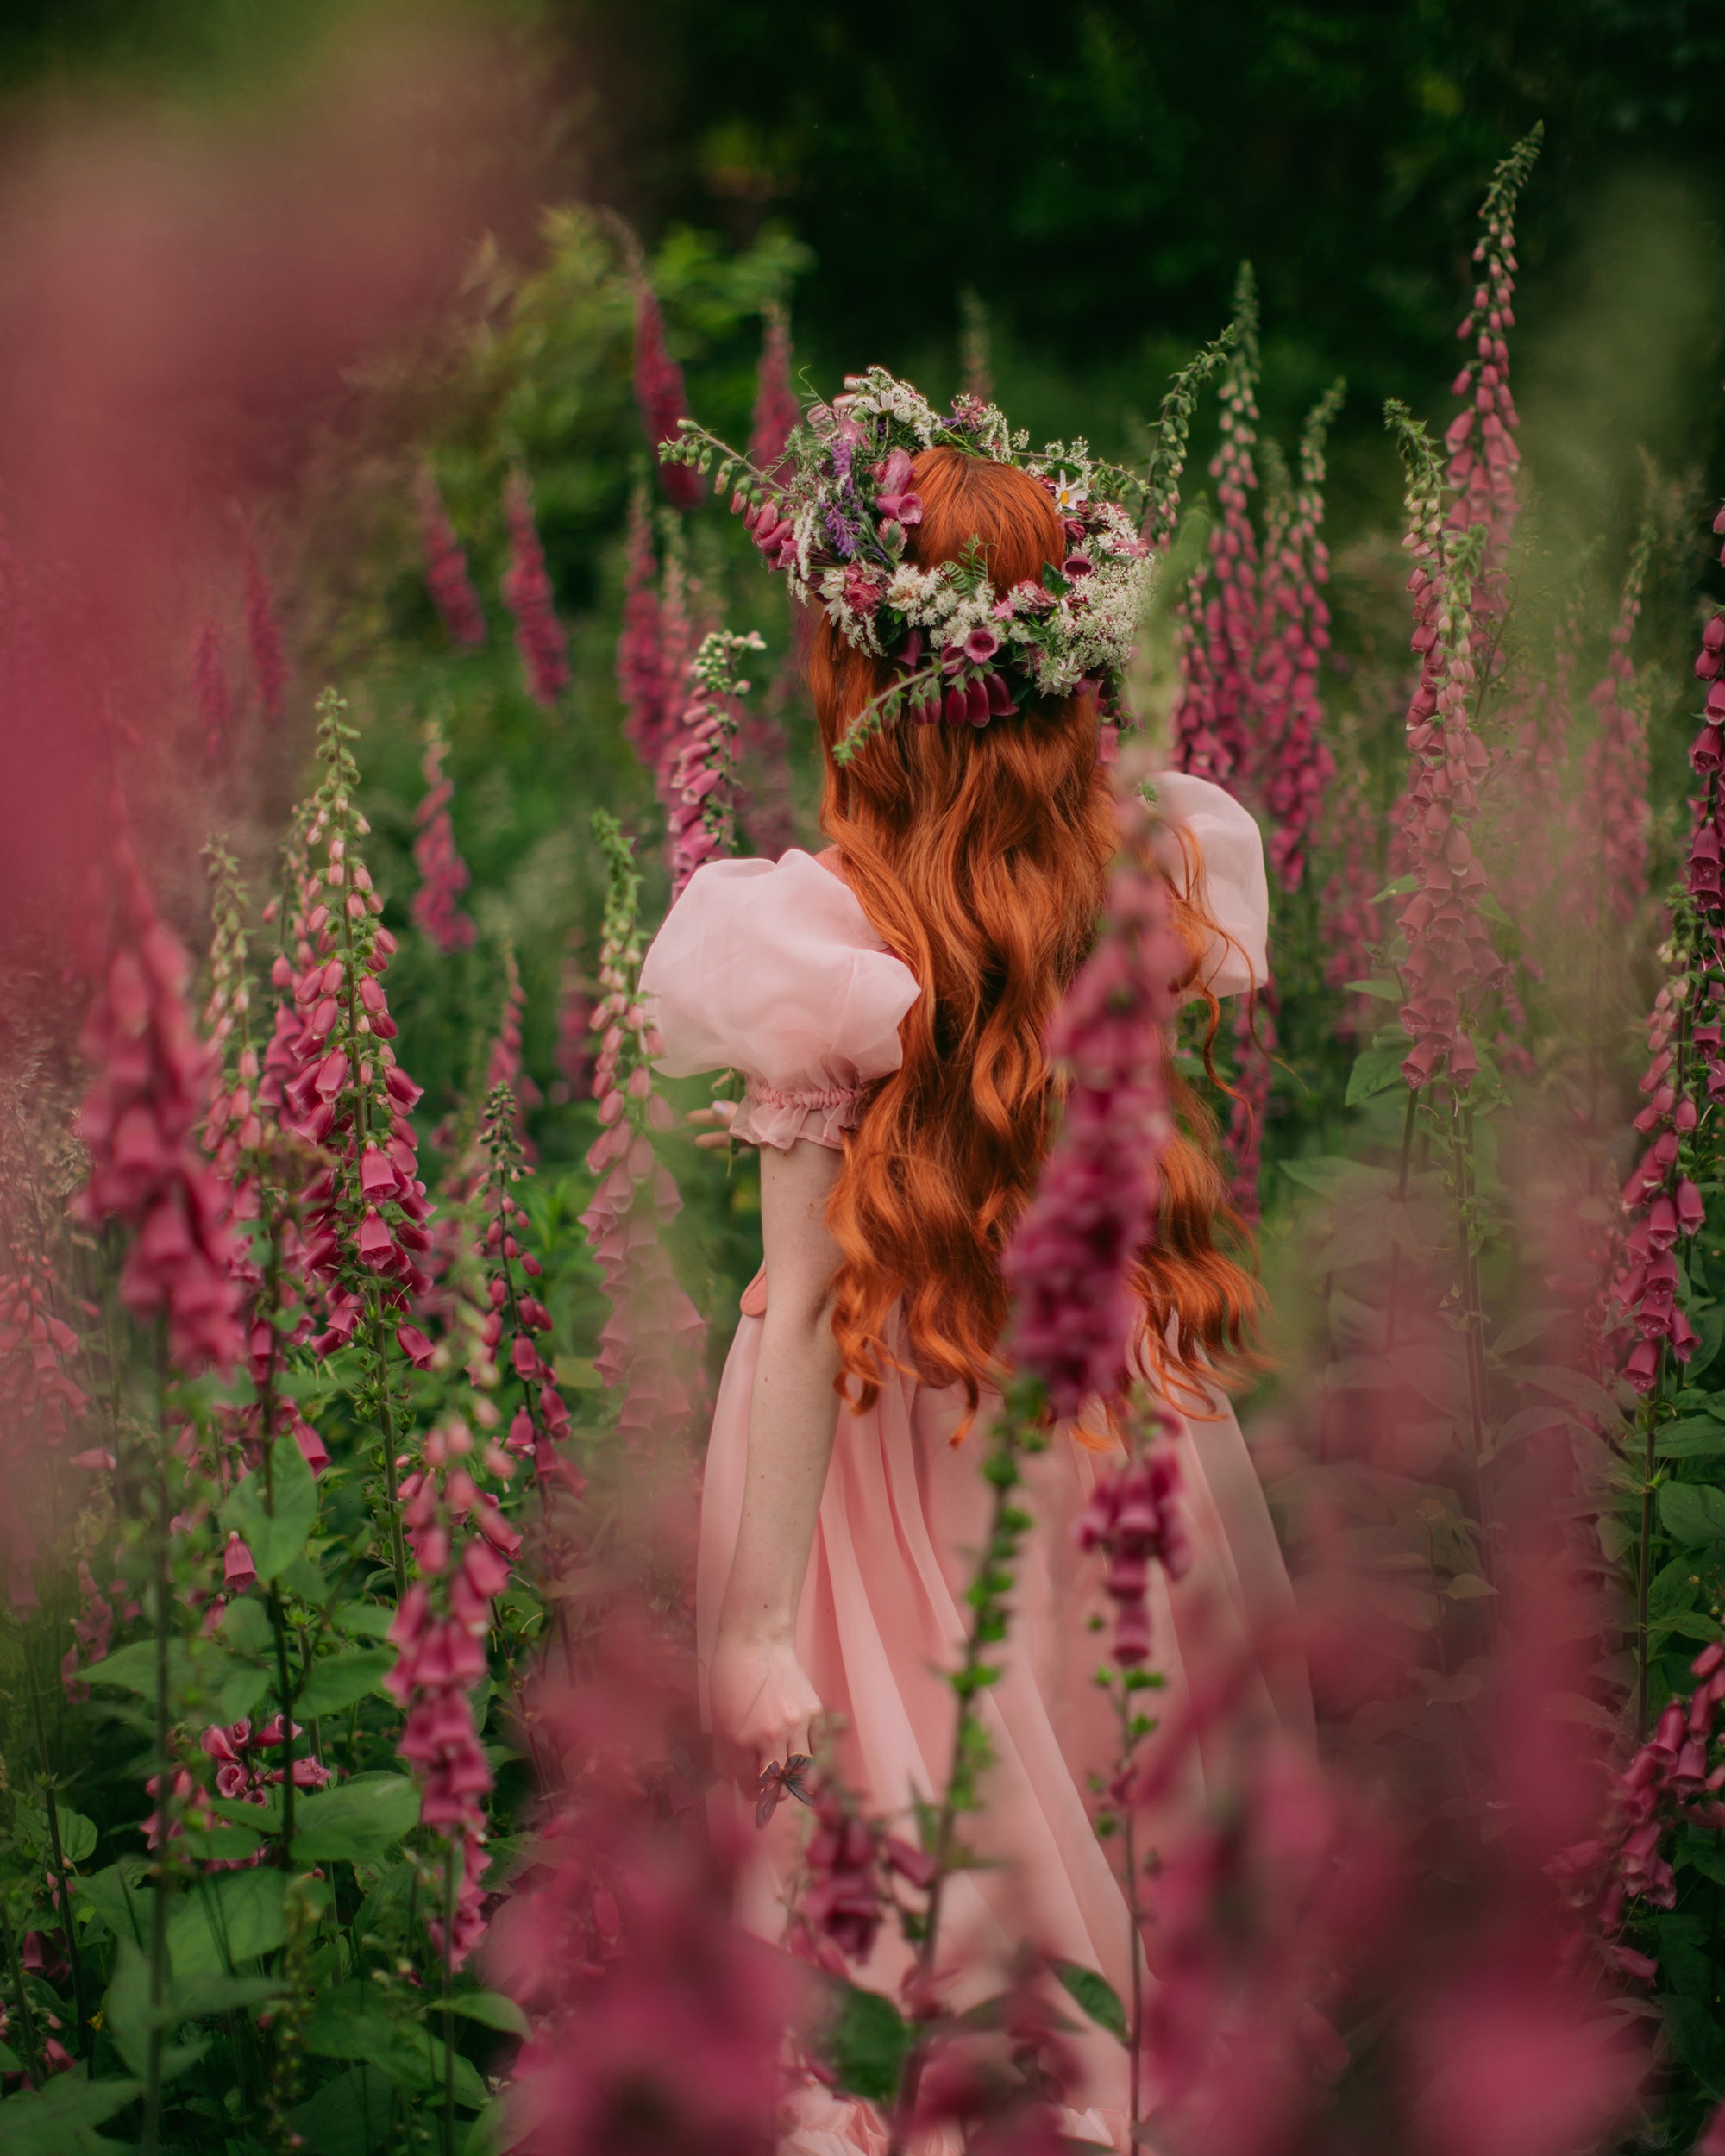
771,968
1226,876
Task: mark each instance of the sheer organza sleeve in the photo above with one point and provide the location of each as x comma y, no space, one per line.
771,968
1224,851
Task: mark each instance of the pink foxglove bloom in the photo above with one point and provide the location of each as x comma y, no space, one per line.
702,778
1071,1261
445,568
149,1079
209,688
1614,774
641,678
776,409
443,874
649,1345
660,392
1480,438
463,1545
1451,962
1294,633
539,635
572,1055
1215,716
1254,1051
263,632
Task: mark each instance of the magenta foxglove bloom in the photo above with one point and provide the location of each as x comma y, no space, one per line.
540,637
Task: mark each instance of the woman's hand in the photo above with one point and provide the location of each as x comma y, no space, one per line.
718,1115
764,1708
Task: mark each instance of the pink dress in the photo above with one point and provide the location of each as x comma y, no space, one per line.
773,970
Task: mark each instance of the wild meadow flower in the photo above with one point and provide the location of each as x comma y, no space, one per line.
211,689
517,1319
1481,438
703,778
1293,635
777,409
573,1053
1351,930
1254,1047
640,680
263,630
444,875
649,2002
461,1546
1451,962
649,1345
445,567
540,637
148,1093
659,388
1071,1259
1614,771
1215,713
341,1089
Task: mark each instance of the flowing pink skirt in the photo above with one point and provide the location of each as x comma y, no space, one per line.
883,1619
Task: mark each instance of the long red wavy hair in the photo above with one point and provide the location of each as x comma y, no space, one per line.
980,858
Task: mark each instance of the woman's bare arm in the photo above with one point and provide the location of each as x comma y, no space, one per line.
763,1705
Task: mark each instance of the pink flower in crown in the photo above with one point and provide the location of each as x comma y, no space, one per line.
897,499
862,592
981,645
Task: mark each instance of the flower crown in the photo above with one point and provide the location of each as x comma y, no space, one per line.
834,515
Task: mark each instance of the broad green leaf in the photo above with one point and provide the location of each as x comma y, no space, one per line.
485,2134
240,1688
1696,1438
127,2018
9,2061
1403,887
303,1576
354,2022
358,1821
1375,1071
1095,1994
134,1668
1467,1587
349,2116
222,1845
1710,1327
1701,1848
1674,1587
493,2008
77,1833
1385,987
1524,1330
340,1679
274,1539
262,1819
1688,1624
366,1620
61,2120
1332,1176
219,1923
1692,1514
119,1898
246,1626
195,1999
866,2044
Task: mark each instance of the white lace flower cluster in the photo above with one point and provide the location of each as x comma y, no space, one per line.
838,525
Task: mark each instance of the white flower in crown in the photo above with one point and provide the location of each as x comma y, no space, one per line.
1069,497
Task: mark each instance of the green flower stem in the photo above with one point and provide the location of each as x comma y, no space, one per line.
448,2118
33,2046
62,1885
990,1584
151,2140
